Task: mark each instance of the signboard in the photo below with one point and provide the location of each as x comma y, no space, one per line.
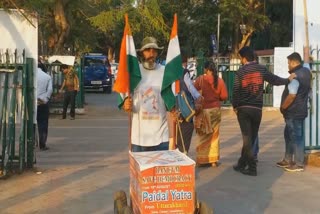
214,43
162,182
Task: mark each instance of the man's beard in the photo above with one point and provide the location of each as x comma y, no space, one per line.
149,64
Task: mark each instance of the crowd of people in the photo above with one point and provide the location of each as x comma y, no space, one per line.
151,120
208,91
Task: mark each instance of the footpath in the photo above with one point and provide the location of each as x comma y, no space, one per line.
88,161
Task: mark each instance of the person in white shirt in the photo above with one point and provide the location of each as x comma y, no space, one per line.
44,91
150,130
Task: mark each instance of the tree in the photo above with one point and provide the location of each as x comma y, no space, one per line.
245,14
145,17
57,18
97,25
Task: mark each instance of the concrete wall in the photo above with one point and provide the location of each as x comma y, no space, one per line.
17,33
280,69
299,33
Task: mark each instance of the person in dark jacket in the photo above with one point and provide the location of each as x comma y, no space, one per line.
247,103
294,107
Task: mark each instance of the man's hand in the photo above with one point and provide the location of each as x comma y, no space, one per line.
40,102
174,114
61,91
292,76
127,105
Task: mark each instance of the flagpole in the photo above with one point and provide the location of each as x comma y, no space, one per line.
129,121
129,97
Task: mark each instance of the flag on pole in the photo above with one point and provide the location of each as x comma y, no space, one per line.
173,69
129,75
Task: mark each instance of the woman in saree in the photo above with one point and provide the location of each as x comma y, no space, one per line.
207,121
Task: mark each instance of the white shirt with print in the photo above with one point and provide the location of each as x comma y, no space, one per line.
149,122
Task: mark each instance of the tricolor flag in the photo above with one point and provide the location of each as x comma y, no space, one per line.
173,69
129,75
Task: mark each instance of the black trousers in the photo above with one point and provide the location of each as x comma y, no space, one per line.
43,122
69,97
186,132
249,120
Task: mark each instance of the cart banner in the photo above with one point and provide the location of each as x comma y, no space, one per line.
162,182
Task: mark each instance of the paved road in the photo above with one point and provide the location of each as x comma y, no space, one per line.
88,161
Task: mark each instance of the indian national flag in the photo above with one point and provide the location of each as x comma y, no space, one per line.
129,75
173,69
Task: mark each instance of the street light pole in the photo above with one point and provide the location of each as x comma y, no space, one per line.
306,48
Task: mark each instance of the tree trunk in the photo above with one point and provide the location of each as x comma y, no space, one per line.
235,42
111,54
61,25
246,39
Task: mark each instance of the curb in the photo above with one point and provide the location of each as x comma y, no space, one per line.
313,159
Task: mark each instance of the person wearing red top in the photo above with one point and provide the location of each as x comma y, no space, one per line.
207,140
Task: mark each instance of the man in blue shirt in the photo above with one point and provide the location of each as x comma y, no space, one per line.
295,109
44,91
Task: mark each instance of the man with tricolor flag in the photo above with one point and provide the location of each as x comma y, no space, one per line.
145,91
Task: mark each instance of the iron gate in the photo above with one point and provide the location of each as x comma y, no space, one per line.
312,132
16,112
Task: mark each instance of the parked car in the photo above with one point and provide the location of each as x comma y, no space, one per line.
97,72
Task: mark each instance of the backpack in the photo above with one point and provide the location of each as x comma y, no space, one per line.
185,101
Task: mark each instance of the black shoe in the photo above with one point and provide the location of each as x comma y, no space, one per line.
238,168
249,172
44,148
63,118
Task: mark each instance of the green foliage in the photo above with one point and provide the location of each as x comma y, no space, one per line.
97,25
279,32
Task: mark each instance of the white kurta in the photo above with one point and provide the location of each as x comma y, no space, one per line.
149,122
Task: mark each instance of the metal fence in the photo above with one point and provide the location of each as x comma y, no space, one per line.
227,71
17,129
312,132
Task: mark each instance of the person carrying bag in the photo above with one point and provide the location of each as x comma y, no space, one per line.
208,116
186,102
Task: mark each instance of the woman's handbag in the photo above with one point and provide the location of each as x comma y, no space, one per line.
199,103
201,123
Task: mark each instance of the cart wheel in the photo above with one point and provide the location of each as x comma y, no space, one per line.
204,209
127,210
120,201
196,204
